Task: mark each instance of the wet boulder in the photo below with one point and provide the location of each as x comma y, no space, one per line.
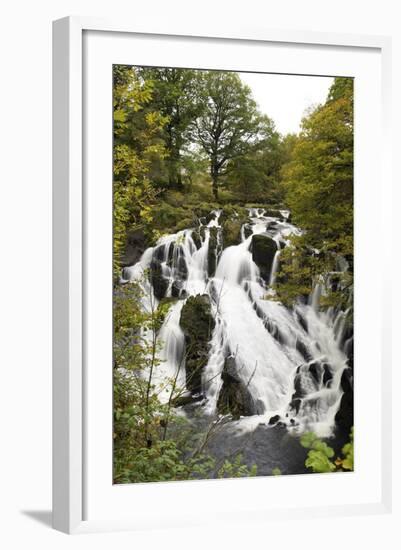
234,398
196,238
316,370
197,324
247,230
263,250
303,350
158,281
178,289
213,251
327,374
274,420
345,414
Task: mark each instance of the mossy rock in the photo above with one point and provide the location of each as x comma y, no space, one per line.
231,232
233,212
166,217
197,323
196,319
185,223
263,250
273,213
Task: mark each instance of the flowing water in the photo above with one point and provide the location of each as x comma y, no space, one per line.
291,360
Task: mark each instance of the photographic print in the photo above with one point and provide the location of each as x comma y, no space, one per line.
232,274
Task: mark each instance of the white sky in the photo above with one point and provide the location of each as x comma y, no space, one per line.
285,98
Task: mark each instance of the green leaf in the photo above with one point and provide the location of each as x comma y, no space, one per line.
319,462
307,439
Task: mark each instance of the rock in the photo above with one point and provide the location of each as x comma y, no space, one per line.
247,230
347,381
234,397
301,320
345,414
212,253
181,267
263,249
196,238
159,283
299,390
274,419
177,290
349,350
272,213
134,248
231,232
187,399
315,369
210,216
327,375
296,404
303,350
197,324
159,253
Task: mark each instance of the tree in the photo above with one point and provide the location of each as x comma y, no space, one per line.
138,153
256,175
318,183
174,96
319,179
228,121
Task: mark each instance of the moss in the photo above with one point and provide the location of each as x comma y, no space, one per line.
231,233
234,212
185,223
166,216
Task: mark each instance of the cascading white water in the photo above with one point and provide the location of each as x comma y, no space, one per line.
278,352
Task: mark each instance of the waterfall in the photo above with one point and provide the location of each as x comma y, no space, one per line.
289,360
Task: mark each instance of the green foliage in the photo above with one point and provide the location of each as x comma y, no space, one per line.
139,153
347,463
318,182
236,469
320,455
276,472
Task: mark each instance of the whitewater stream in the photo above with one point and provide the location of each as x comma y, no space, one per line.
290,360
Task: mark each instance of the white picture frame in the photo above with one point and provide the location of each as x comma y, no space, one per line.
70,259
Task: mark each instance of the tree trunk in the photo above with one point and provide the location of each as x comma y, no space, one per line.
215,188
214,173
